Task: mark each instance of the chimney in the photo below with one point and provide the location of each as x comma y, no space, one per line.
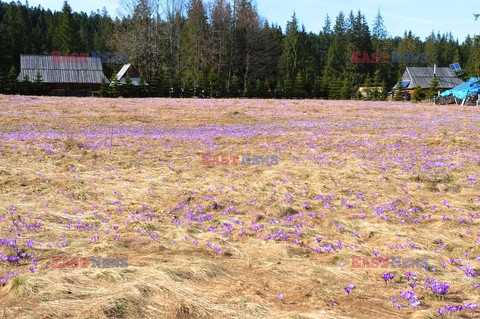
435,70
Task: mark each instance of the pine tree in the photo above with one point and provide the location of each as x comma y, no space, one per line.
177,86
279,90
66,37
290,52
12,81
299,91
189,87
3,83
376,94
156,84
384,92
165,85
288,87
103,92
334,91
434,85
346,90
249,92
143,89
26,86
325,85
213,83
113,89
127,88
39,88
258,89
234,86
418,93
266,89
368,88
399,90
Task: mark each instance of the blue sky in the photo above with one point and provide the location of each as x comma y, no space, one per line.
417,15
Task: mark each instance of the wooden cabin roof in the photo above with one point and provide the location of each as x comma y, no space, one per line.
89,72
424,75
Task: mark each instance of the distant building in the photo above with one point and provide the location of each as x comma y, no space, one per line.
131,72
80,78
423,76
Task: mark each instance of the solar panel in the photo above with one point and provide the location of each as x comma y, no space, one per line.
455,67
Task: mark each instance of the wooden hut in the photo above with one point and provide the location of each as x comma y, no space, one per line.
423,76
79,78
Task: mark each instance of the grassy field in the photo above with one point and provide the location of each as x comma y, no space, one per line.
123,178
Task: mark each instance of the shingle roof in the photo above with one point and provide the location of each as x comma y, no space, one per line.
89,72
424,75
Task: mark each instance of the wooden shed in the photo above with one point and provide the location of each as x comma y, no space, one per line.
423,76
79,78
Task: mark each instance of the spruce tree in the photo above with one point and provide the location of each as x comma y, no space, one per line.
325,85
299,86
127,88
288,87
103,92
399,90
368,88
376,95
346,90
165,85
266,89
316,87
155,83
39,88
188,90
279,90
213,83
12,81
66,37
25,86
434,85
418,93
177,85
113,89
3,83
258,89
234,86
334,91
250,89
143,89
384,92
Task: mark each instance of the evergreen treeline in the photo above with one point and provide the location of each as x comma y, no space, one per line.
218,48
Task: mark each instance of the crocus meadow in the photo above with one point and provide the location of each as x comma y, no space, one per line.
124,177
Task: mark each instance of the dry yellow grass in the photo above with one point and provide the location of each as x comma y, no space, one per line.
106,162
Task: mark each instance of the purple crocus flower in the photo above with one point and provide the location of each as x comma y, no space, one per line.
349,288
440,288
471,306
30,243
388,276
